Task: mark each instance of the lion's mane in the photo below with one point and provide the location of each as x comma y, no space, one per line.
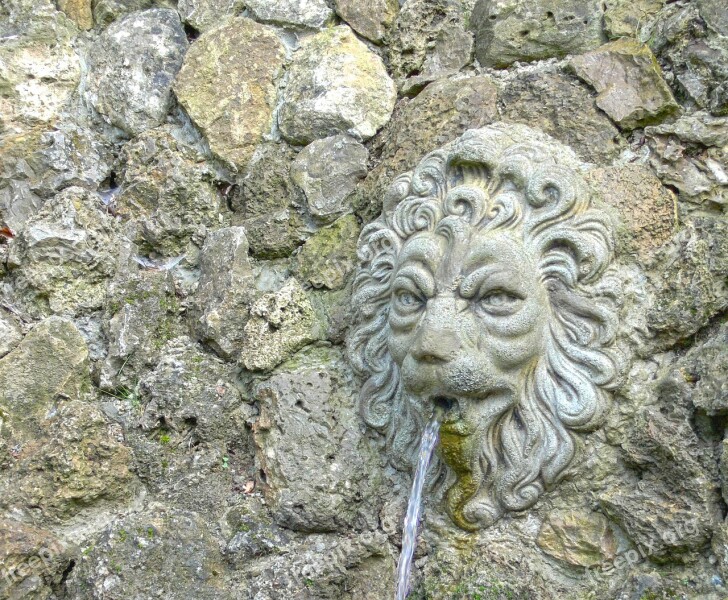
507,178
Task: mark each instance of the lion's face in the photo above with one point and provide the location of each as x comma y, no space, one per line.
482,287
467,319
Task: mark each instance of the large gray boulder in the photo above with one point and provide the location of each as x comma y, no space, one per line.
335,85
131,69
507,31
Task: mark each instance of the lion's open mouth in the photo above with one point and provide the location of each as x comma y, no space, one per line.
448,409
445,404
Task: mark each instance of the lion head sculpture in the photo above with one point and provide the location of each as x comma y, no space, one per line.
482,288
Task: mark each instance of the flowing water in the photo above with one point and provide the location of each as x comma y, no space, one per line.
411,520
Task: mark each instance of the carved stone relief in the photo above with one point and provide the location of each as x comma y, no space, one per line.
483,288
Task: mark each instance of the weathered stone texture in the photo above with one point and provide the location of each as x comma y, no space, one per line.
306,14
508,30
66,456
38,73
629,81
269,205
167,190
583,540
33,559
359,567
227,86
559,105
281,323
690,281
335,85
329,256
694,54
328,171
308,428
626,18
133,552
182,187
690,155
428,36
63,260
208,14
702,371
648,210
225,290
105,12
369,19
449,107
142,315
132,67
52,360
79,11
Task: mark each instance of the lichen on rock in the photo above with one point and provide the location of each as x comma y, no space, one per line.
227,86
335,85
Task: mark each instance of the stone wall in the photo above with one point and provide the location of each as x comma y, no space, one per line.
182,186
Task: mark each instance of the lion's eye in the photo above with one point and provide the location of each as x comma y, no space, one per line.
498,299
499,302
407,299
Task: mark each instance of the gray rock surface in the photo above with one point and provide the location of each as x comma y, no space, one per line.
329,256
168,192
281,323
34,560
627,18
449,107
509,30
142,315
308,428
358,567
690,281
63,260
208,14
105,12
371,19
335,85
647,209
689,155
225,290
132,553
646,99
269,205
307,14
132,67
694,53
428,32
10,333
169,292
701,371
189,431
65,456
39,71
538,100
328,171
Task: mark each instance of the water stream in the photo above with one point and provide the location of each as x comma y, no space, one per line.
411,520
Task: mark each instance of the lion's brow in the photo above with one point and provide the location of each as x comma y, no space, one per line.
421,250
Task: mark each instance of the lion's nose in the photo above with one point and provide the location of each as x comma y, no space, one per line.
435,346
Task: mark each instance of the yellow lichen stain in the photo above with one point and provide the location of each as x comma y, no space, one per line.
457,450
